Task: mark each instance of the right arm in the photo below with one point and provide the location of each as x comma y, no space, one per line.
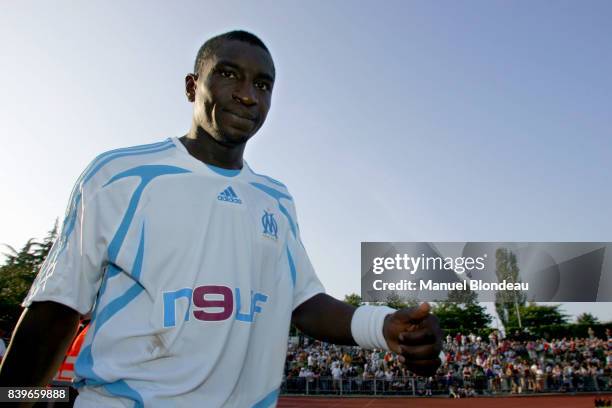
38,346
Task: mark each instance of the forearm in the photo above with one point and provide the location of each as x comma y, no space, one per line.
325,318
41,338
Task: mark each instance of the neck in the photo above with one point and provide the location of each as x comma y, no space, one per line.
205,148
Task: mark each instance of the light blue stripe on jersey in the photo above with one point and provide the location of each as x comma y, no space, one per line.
270,179
146,173
291,224
104,159
119,303
111,271
107,157
291,266
116,305
90,171
121,389
75,197
223,172
137,268
268,401
94,166
272,191
84,365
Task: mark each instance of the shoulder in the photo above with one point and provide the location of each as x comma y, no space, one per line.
269,185
109,163
265,179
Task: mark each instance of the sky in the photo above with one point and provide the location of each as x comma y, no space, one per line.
390,121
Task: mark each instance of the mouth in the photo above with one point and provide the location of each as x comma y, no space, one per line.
241,115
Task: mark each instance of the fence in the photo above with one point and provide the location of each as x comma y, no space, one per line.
414,386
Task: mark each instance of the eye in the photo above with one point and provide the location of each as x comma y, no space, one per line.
264,86
227,74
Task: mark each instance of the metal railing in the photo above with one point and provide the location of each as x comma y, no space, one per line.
443,385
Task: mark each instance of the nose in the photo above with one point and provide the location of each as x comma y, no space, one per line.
245,94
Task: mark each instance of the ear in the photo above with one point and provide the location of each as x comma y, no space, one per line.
190,86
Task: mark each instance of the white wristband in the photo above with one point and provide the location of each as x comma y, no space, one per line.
367,326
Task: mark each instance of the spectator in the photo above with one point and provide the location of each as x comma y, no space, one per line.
484,364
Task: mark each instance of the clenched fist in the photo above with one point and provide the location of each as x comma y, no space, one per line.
415,335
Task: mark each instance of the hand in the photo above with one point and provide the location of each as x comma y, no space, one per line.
415,335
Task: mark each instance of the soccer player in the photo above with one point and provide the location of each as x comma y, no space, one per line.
192,267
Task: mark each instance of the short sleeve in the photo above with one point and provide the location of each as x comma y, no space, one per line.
305,280
72,272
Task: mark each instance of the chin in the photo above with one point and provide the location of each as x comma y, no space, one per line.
233,138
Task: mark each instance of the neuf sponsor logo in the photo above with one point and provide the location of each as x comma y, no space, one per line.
212,303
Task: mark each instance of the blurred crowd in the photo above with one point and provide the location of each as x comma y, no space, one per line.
474,365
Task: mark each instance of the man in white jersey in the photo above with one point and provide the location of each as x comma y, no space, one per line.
191,266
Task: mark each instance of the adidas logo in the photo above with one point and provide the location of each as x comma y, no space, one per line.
229,195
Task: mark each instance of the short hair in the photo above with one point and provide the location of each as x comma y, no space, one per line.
210,46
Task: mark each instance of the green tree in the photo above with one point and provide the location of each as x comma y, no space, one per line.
587,319
464,297
397,302
18,273
507,303
353,299
461,313
534,316
26,257
33,253
15,281
43,248
468,317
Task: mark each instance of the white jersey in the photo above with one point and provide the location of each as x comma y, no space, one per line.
190,273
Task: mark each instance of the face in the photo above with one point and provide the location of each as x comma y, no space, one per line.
232,92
